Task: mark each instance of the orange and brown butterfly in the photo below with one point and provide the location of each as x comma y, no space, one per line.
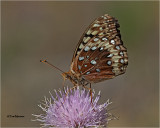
99,55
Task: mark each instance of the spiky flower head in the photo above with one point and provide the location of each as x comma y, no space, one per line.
74,110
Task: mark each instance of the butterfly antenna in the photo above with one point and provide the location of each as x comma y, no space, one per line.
46,62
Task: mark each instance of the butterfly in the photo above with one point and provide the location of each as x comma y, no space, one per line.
99,55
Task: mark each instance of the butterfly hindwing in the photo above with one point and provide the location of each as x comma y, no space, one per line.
100,53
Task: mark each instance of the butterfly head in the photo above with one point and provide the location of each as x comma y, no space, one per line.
71,77
65,75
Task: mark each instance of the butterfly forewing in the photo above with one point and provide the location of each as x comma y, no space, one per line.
100,53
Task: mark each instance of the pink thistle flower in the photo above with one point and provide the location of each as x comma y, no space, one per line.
74,110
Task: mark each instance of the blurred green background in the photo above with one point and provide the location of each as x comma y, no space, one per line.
35,30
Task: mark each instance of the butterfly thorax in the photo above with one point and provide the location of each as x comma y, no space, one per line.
75,79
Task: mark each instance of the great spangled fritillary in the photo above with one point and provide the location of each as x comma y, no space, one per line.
99,55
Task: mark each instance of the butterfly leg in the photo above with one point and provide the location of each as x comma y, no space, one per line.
63,85
90,89
70,90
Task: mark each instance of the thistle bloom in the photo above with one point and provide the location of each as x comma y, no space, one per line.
74,110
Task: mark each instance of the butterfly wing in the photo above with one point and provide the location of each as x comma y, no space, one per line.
100,53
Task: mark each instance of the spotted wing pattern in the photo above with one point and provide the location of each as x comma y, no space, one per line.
100,53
